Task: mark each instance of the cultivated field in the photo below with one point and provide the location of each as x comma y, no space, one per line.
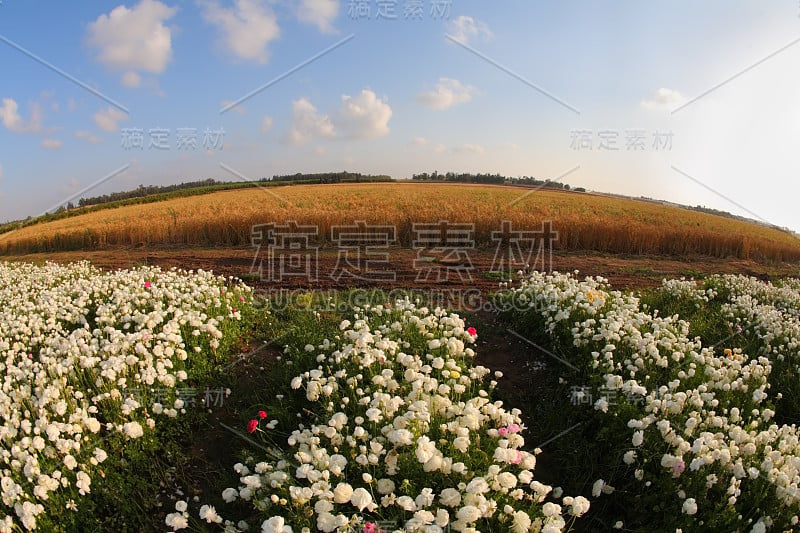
132,402
148,398
584,222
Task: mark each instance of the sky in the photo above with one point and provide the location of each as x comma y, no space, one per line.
691,102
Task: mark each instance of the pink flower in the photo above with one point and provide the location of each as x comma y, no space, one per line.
677,468
146,284
518,459
369,527
502,432
252,425
233,309
472,331
262,415
241,298
513,428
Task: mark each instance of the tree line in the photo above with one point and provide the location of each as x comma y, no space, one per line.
497,179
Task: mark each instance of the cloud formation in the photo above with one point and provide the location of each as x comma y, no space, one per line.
466,29
320,13
133,39
245,29
448,93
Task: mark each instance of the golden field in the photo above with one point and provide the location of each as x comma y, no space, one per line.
583,221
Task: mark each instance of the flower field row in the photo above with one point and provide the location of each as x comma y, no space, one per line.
74,345
697,416
401,434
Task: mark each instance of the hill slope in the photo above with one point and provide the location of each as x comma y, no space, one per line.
583,221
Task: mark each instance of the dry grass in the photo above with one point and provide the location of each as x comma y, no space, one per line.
583,221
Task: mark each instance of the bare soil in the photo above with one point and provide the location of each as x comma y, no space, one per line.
623,272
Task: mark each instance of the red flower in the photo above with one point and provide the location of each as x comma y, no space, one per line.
252,425
472,331
262,414
369,527
146,284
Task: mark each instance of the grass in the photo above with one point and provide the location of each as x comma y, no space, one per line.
583,222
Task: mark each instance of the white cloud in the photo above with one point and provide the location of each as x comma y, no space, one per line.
364,117
245,29
448,92
320,13
419,141
238,108
319,151
465,28
663,99
107,119
307,124
134,39
131,79
439,148
361,117
266,124
51,144
474,149
91,139
9,114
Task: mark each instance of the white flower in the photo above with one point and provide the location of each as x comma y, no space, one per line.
177,521
361,498
450,497
326,522
689,506
478,486
579,506
100,455
597,488
385,486
133,429
209,514
406,503
342,493
276,524
469,514
507,480
551,509
521,523
425,449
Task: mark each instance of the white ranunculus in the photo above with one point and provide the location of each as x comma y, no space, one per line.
361,498
342,493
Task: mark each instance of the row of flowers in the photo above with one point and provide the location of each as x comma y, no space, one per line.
698,418
400,428
81,355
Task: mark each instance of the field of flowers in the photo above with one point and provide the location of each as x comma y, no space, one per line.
399,433
82,354
698,393
376,417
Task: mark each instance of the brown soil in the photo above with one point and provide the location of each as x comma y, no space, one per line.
623,272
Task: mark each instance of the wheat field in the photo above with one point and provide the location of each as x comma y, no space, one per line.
584,222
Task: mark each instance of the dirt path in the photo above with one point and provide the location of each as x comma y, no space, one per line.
624,272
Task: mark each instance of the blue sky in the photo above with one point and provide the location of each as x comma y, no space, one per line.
695,103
